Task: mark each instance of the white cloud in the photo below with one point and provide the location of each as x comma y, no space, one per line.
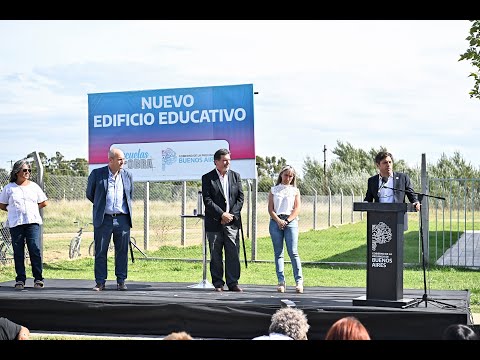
370,83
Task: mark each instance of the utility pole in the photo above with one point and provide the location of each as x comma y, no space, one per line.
325,182
324,159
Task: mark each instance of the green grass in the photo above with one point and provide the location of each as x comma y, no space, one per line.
346,243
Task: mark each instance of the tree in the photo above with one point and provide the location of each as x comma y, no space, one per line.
267,171
58,165
473,54
348,172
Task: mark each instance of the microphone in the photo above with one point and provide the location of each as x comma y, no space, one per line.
384,182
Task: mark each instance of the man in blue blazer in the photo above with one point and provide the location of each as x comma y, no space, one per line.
380,186
110,189
223,198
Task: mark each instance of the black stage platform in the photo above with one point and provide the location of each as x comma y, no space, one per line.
160,308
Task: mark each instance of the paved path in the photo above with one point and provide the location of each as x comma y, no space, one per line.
465,251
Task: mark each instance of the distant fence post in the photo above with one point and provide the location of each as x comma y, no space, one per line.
353,200
146,215
315,209
329,207
183,234
341,206
249,200
41,183
254,219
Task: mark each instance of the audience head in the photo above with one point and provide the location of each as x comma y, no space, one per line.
460,332
182,335
347,328
291,322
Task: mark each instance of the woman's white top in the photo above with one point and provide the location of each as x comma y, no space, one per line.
284,198
22,203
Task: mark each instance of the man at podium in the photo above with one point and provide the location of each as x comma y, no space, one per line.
389,186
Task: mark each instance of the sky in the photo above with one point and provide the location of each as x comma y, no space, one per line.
370,83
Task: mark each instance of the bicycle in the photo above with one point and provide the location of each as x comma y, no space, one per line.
74,248
91,248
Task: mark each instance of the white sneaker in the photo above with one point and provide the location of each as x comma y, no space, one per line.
281,287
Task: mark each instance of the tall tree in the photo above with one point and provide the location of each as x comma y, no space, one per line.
267,171
473,55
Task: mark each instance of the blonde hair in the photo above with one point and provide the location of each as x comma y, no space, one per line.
287,168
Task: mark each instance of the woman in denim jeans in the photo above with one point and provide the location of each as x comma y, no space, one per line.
283,207
22,199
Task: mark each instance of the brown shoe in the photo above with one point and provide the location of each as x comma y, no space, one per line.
236,288
99,287
219,289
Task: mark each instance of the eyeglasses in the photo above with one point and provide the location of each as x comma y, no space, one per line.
25,170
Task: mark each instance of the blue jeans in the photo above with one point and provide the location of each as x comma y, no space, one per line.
119,227
26,234
290,235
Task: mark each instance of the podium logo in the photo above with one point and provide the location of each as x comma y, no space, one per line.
381,234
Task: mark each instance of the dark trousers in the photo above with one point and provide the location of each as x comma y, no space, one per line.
119,227
227,239
26,234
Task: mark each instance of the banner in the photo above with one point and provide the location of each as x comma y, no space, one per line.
172,134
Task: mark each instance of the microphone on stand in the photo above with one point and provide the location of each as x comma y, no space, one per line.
384,182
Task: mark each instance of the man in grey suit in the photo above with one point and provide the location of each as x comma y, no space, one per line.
223,198
380,186
110,189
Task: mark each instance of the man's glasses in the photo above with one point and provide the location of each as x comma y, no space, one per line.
25,170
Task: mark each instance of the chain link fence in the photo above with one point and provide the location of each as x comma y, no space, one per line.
159,206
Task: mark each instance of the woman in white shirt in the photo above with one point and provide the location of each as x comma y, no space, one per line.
22,199
283,207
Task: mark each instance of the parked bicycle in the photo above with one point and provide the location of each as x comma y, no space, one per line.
111,247
74,249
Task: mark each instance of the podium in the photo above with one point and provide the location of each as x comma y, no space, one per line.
204,284
385,227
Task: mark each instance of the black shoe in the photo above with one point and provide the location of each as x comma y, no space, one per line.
121,286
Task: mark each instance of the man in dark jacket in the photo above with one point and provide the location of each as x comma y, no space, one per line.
380,186
223,198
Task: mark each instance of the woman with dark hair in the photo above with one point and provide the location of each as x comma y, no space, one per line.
22,199
347,328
